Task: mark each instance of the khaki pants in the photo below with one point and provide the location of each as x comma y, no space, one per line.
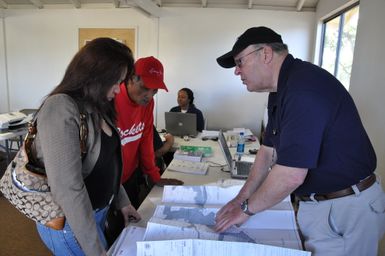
350,225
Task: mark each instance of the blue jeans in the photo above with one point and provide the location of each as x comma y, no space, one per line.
63,242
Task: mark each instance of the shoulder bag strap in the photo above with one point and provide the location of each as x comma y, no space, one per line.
83,130
83,134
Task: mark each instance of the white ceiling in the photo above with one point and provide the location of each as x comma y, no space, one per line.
154,7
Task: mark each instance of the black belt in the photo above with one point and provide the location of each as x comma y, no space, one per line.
361,186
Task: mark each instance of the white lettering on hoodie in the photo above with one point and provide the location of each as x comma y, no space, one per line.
132,134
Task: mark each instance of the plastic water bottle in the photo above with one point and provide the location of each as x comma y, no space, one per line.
241,144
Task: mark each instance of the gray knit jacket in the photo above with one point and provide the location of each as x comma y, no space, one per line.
58,147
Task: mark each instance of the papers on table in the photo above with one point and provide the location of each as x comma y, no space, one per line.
197,168
208,133
199,195
187,213
180,222
225,183
126,243
198,247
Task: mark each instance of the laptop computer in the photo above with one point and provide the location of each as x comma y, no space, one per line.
181,124
239,169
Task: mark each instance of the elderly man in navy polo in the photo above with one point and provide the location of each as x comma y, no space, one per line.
315,146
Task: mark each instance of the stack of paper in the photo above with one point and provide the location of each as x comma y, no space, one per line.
199,168
193,156
199,247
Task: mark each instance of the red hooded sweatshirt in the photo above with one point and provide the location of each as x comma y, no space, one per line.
135,126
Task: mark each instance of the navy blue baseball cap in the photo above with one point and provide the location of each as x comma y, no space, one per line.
255,35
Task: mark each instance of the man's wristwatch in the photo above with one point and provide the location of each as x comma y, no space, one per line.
245,207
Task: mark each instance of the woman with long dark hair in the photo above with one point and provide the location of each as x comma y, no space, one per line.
84,185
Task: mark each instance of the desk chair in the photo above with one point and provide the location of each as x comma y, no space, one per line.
18,141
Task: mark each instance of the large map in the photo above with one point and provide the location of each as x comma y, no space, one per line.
180,222
188,212
199,195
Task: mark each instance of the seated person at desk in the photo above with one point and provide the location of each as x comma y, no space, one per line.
186,105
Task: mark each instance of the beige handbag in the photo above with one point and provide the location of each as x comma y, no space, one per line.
29,190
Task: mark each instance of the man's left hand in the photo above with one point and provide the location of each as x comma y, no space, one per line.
164,182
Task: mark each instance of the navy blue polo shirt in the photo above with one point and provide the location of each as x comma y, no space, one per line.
313,123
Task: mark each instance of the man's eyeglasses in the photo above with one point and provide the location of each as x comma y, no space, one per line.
239,62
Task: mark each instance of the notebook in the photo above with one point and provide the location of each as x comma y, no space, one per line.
181,124
239,169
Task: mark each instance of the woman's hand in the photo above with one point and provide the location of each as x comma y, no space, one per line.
130,214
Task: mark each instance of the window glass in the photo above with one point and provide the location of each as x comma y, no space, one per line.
338,44
348,39
330,45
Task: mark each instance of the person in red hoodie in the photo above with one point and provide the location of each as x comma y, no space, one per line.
134,105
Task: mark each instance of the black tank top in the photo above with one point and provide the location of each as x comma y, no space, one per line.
103,181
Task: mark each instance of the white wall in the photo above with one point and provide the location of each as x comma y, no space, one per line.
3,74
367,84
190,41
368,76
41,43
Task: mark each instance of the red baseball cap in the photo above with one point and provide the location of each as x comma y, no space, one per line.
150,71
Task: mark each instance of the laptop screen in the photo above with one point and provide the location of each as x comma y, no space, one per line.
181,124
238,169
225,149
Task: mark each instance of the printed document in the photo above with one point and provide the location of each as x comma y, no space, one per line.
197,247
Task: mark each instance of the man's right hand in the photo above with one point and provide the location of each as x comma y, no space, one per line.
230,206
231,214
164,182
130,214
